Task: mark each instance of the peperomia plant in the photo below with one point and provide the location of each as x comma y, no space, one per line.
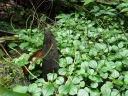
93,57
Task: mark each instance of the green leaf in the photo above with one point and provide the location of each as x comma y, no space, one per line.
115,74
126,78
85,57
69,60
119,82
104,75
93,52
88,1
95,9
62,71
37,92
90,71
20,89
7,92
104,69
64,89
114,47
82,84
126,93
76,80
71,68
93,64
118,65
32,87
115,92
95,78
101,64
12,45
124,53
73,89
35,30
62,62
64,16
48,89
84,65
94,92
100,46
76,42
111,65
51,76
82,92
94,85
122,5
60,80
106,90
125,61
81,71
23,45
120,45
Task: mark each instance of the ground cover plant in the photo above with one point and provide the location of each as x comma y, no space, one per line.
93,54
92,57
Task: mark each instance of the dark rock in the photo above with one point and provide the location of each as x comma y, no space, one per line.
50,55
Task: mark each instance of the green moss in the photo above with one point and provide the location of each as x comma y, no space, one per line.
10,75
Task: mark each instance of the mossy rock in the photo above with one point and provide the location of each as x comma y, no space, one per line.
11,75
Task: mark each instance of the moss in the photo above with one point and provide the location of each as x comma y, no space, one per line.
11,75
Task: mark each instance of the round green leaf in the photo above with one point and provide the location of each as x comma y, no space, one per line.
60,80
118,65
51,76
100,46
20,89
119,82
37,92
82,83
115,92
76,42
126,93
104,69
95,78
63,89
40,80
90,71
104,75
124,53
114,47
93,52
94,85
62,62
32,87
94,92
48,89
126,79
69,60
115,74
76,80
106,90
120,45
62,71
7,92
84,65
125,61
73,89
82,92
93,64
